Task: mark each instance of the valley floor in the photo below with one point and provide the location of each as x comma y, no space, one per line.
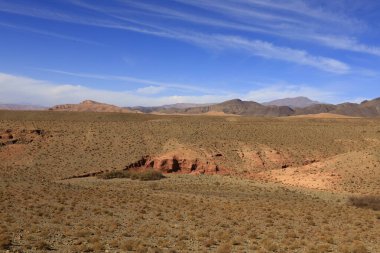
284,188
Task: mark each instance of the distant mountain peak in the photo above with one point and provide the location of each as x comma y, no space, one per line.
295,102
233,101
89,102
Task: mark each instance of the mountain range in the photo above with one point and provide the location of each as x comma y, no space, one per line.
149,109
17,107
277,108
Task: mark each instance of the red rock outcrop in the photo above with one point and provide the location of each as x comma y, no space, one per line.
178,163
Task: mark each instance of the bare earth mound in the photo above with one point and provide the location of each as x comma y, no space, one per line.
352,172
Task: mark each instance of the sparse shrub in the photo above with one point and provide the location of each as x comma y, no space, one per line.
147,175
5,241
151,175
358,247
128,245
115,174
224,248
42,245
96,247
209,242
371,202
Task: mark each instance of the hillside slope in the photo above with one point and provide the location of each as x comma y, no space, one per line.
89,106
368,108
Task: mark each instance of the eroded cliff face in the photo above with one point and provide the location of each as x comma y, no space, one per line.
179,162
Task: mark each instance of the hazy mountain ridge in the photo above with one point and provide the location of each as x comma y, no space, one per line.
150,109
239,107
296,102
20,107
367,108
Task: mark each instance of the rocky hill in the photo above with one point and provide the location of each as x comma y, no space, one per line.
368,108
89,106
239,107
165,108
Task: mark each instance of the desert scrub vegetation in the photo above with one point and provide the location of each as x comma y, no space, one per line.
147,175
371,202
182,212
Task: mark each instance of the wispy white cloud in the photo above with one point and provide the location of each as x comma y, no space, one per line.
302,8
294,28
150,90
230,8
23,90
135,80
48,33
346,43
215,41
331,23
285,90
268,50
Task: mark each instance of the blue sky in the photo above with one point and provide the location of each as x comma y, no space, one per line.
170,51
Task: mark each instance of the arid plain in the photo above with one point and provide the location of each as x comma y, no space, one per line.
232,183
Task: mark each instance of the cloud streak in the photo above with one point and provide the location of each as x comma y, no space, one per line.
268,50
135,80
48,33
276,91
291,28
211,40
24,90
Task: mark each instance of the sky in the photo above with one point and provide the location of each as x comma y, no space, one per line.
155,52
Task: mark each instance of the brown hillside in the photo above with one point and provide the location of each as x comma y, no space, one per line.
369,108
238,107
89,106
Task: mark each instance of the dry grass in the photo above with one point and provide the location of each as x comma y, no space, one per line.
183,213
5,241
